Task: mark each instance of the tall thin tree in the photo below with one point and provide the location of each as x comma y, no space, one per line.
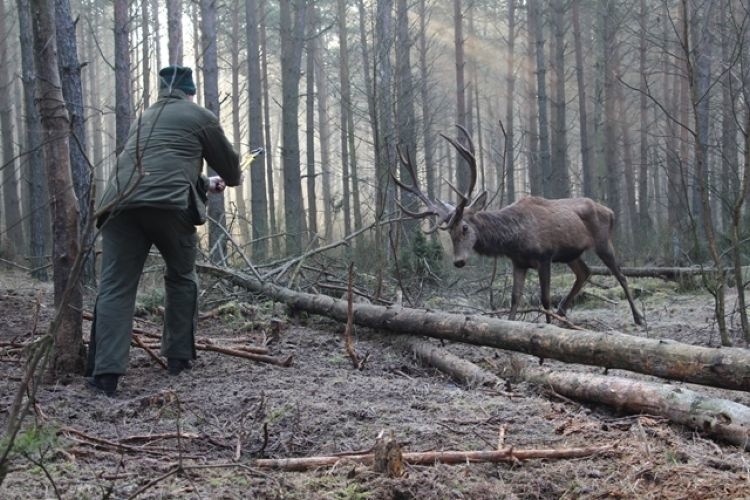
123,100
292,30
72,88
38,201
217,241
68,352
11,197
255,120
174,31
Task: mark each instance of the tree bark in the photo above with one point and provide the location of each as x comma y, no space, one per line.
536,184
174,31
644,219
39,221
459,369
217,242
462,168
558,106
728,368
123,101
72,88
324,132
609,57
273,226
536,13
510,139
258,194
312,204
146,52
68,353
11,199
236,67
292,28
426,101
344,110
587,169
718,418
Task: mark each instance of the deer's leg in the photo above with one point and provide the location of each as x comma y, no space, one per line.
519,280
608,257
582,272
545,275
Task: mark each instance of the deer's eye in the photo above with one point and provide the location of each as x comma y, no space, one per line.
466,228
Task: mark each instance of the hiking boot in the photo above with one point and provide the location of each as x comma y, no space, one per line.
105,383
177,366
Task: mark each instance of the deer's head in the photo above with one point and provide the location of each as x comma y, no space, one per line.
458,220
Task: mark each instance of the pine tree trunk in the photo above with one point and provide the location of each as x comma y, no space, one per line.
258,199
146,53
344,111
462,169
535,11
426,100
39,221
312,206
273,225
174,31
292,30
72,88
405,121
644,218
11,199
587,169
536,184
324,132
217,240
558,118
68,353
242,216
123,101
510,140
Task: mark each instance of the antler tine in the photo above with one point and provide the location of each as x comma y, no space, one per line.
416,215
468,155
432,207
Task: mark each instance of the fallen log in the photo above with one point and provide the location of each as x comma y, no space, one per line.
459,369
718,418
666,273
433,457
725,367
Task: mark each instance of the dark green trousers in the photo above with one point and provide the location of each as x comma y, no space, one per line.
127,237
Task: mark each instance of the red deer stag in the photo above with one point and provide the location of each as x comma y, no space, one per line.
533,232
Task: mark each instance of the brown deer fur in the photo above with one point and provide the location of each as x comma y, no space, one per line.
532,232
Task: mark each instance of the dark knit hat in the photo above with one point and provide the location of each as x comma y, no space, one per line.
177,77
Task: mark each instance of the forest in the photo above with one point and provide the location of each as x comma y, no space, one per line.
362,325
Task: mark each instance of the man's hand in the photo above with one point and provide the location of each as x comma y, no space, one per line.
216,184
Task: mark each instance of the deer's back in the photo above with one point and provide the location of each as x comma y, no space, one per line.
533,228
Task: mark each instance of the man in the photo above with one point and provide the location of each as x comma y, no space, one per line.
156,196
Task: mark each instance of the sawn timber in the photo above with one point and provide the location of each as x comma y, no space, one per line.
725,367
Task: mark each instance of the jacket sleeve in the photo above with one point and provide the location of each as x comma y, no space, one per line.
218,152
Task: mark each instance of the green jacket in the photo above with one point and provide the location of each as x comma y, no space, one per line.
161,163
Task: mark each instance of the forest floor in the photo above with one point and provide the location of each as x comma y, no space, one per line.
230,411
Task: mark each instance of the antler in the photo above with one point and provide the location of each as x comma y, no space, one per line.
468,155
432,208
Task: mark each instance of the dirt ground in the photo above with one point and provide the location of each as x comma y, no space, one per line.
230,411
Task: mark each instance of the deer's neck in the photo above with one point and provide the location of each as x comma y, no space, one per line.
498,232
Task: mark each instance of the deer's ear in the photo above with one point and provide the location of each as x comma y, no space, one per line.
479,202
